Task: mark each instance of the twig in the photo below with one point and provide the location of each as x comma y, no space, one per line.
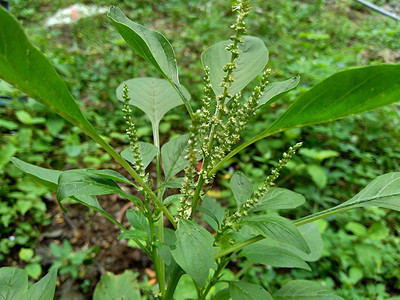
379,9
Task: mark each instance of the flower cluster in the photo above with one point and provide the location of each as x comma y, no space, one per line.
187,192
131,132
232,220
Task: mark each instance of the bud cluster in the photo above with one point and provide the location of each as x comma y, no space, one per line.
232,220
131,132
187,191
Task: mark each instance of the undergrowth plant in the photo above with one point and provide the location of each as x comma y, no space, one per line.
189,232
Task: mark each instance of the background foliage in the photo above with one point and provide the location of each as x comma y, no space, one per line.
311,38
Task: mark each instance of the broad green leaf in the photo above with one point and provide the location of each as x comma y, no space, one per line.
124,286
279,198
149,44
305,290
342,94
152,46
276,90
194,251
47,177
110,174
13,283
312,236
43,289
318,175
83,186
269,253
217,210
50,178
137,220
81,183
154,96
240,290
383,191
25,67
147,152
173,156
252,60
278,228
241,187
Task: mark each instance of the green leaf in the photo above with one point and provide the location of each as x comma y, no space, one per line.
383,191
47,177
216,209
154,96
378,231
83,186
81,183
247,291
171,199
110,174
173,156
43,289
152,46
134,234
6,153
13,283
241,187
25,67
312,236
369,257
278,228
279,198
137,220
124,286
147,153
194,251
174,183
305,290
356,228
34,270
252,60
318,175
276,90
269,253
342,94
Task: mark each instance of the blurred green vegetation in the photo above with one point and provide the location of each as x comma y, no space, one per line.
311,38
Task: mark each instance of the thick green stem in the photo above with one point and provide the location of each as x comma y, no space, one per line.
158,261
176,275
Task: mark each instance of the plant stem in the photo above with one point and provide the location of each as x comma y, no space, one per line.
214,279
176,275
300,222
238,246
135,175
218,113
158,261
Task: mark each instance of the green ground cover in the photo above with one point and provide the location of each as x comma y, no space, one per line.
311,38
